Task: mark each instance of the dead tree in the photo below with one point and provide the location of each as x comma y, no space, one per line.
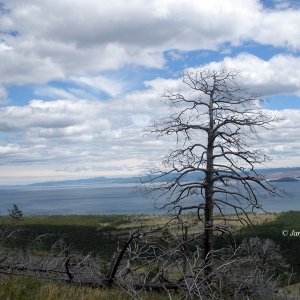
213,166
158,262
117,258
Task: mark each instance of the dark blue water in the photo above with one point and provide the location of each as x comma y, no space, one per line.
110,200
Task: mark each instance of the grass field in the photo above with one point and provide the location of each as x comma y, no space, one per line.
96,234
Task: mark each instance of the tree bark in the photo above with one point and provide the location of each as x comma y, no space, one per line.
209,187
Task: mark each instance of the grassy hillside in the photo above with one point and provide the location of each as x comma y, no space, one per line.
101,235
97,234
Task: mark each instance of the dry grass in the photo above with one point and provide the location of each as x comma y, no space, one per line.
29,288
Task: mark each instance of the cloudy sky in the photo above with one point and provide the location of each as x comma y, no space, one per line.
80,79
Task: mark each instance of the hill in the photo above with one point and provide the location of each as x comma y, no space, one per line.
272,173
285,179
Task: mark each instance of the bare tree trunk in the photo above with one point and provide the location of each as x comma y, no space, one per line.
67,263
116,261
209,187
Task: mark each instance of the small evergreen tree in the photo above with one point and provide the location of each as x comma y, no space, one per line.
15,213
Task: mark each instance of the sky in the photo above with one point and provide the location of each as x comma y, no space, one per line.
81,79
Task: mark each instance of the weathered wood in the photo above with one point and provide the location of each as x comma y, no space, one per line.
116,261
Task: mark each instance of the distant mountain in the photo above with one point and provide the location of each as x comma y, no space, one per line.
124,180
284,174
89,181
285,179
274,173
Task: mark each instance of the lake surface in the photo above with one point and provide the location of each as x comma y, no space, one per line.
122,199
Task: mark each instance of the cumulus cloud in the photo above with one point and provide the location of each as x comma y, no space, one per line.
20,67
46,40
76,126
37,114
73,133
278,75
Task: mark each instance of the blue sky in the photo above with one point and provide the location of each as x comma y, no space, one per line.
79,80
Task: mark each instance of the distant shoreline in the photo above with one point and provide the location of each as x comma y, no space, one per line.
285,179
269,173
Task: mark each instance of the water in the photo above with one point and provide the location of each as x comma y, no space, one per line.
122,199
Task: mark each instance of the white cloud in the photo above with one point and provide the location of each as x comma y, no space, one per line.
38,114
81,123
79,38
278,75
9,149
67,134
77,41
282,143
20,67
